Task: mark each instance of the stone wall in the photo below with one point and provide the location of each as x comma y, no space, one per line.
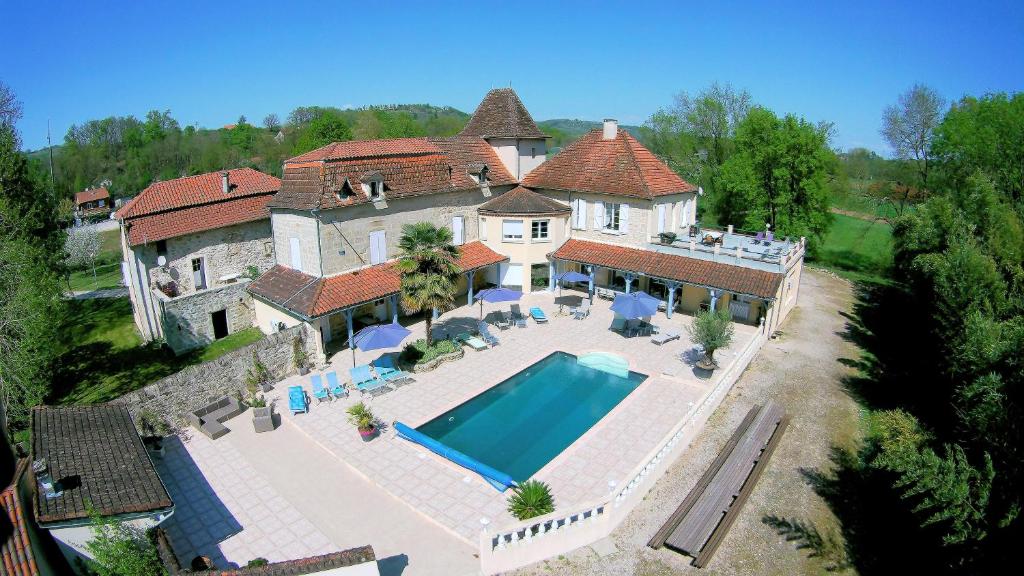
225,251
187,322
288,224
196,386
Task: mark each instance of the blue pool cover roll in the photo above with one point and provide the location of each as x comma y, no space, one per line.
496,478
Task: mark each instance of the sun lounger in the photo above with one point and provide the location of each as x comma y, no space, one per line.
485,334
472,341
386,370
337,390
583,311
297,400
666,336
319,392
538,315
517,316
366,382
504,321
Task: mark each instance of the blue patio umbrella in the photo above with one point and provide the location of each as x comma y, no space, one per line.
377,337
635,305
497,295
570,276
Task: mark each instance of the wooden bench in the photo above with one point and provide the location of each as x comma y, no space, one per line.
702,520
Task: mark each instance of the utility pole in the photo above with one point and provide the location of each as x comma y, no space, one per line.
49,147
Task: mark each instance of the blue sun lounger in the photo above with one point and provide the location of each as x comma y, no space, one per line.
297,400
337,390
319,392
538,315
386,369
366,382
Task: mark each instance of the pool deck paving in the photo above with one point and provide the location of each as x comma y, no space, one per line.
313,486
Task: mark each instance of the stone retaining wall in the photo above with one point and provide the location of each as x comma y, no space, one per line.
196,386
187,322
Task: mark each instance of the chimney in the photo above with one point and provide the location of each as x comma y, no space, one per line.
611,128
225,185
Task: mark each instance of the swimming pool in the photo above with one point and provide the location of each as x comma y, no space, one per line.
521,424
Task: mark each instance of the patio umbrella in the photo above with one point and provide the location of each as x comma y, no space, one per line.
497,295
635,305
570,276
377,337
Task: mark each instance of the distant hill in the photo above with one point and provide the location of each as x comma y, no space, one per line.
564,131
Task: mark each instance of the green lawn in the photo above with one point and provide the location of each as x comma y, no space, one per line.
855,248
102,356
107,276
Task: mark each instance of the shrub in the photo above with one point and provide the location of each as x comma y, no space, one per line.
531,499
299,354
257,562
258,375
119,549
151,424
419,352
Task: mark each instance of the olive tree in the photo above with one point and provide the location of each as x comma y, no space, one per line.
712,329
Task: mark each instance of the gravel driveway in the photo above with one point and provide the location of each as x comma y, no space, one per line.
785,527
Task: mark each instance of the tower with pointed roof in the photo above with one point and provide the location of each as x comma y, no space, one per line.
504,122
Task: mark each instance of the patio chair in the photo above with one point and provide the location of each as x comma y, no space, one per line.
386,370
666,336
485,334
319,392
337,389
366,382
618,325
538,315
504,321
583,311
297,400
769,238
517,316
759,237
471,341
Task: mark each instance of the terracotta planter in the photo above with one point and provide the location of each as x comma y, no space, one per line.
368,434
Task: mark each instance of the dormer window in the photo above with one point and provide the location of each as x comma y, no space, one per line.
479,173
373,185
376,190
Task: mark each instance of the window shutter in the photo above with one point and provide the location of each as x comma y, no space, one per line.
598,214
661,218
296,252
624,218
681,206
580,217
693,209
457,238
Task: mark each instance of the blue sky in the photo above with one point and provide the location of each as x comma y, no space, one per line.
209,62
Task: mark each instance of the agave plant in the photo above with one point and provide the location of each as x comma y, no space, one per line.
531,499
360,416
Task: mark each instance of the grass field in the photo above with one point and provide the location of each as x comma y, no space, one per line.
856,248
102,356
107,276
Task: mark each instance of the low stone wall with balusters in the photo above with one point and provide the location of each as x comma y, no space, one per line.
514,546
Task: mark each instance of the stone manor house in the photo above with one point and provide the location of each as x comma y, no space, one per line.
321,242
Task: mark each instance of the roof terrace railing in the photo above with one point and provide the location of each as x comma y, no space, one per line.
732,247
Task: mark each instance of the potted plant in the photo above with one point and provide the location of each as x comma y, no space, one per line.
363,419
299,356
258,376
531,499
667,237
711,329
153,429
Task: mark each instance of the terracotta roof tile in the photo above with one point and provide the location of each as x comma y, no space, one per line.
355,149
164,225
523,201
16,555
619,166
501,114
100,449
196,190
312,297
91,195
759,283
408,167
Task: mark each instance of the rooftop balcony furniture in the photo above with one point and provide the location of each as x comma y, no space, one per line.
208,419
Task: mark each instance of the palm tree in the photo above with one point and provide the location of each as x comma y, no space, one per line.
429,267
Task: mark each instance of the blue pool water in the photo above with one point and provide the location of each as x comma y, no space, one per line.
522,423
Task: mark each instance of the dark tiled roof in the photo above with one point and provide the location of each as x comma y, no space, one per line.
332,176
758,283
16,555
523,201
91,195
97,454
184,221
619,166
501,114
197,190
311,297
